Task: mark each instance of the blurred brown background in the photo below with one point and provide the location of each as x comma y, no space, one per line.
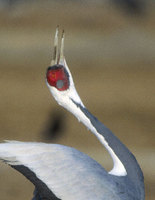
110,51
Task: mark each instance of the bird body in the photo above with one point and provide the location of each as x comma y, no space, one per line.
61,172
67,172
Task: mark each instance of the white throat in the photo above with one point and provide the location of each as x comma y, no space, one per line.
65,99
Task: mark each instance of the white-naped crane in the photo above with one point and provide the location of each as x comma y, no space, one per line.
62,172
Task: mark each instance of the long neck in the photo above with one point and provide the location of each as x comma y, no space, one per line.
124,161
125,164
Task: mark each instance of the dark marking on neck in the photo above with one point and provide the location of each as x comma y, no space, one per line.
134,172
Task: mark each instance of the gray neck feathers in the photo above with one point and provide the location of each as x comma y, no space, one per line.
130,163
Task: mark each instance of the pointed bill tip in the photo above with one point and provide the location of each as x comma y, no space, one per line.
61,61
57,31
55,52
58,56
63,33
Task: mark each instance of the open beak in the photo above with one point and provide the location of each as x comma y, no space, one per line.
58,55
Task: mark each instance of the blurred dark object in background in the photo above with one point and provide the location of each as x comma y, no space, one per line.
54,126
135,7
9,3
131,7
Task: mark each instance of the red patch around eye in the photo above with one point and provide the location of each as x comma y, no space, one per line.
57,77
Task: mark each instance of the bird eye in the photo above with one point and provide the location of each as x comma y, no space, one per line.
60,84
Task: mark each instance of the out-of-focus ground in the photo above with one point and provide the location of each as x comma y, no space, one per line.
111,56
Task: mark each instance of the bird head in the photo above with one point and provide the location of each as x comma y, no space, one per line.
59,79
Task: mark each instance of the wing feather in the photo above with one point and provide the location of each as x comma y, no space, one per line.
67,172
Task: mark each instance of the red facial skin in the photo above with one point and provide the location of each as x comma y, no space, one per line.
58,78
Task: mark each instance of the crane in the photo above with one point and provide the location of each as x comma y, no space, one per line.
62,172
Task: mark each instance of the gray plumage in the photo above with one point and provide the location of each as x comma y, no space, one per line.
74,174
